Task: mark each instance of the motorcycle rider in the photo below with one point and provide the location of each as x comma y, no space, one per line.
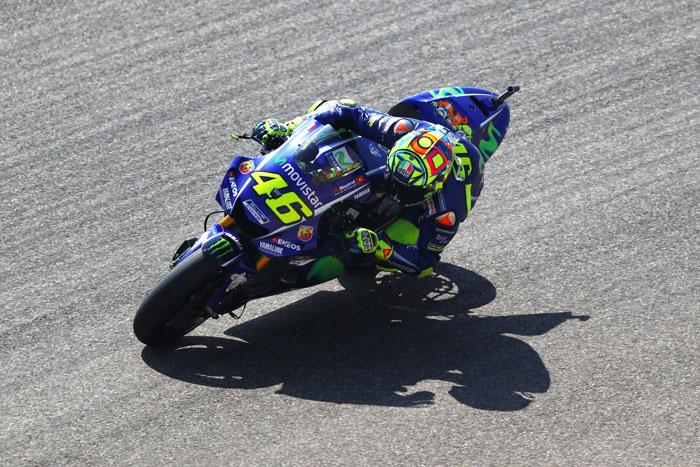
434,174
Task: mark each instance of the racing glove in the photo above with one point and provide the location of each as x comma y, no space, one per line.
361,241
270,133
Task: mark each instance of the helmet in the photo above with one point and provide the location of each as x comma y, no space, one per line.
419,164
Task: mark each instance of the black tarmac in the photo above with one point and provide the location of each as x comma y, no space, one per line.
561,329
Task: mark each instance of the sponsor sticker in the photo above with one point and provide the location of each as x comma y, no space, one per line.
386,252
301,184
305,233
338,189
246,167
435,247
449,219
375,151
444,239
227,199
401,266
270,248
361,194
255,211
441,200
313,126
236,280
285,243
234,241
302,260
342,161
405,169
224,247
359,180
456,121
234,187
431,207
368,244
342,158
344,187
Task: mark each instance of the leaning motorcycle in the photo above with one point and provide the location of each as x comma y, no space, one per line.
280,208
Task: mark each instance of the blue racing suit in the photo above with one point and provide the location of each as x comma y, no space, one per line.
414,241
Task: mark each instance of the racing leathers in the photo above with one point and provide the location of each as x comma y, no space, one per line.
414,241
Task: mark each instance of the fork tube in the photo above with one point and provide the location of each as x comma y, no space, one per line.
226,222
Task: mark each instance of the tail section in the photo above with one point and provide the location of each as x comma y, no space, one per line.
479,115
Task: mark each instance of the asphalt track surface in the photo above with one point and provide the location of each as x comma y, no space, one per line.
562,328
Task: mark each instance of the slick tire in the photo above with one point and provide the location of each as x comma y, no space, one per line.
175,306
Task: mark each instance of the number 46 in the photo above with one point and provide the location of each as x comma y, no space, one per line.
286,206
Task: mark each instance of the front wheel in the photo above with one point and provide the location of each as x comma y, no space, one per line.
176,305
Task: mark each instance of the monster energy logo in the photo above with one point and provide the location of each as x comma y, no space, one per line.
489,146
221,249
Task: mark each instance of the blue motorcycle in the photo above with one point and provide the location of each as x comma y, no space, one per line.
282,210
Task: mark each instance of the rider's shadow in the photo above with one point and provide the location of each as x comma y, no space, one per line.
370,343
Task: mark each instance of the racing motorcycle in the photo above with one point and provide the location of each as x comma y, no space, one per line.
278,209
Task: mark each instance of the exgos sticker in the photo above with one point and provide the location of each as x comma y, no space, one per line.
285,243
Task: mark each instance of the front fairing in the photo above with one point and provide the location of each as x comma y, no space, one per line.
252,190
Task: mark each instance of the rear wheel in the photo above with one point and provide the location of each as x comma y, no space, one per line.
176,304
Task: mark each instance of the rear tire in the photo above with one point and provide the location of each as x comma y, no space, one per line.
175,306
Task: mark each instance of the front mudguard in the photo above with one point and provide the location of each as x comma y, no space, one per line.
218,243
222,246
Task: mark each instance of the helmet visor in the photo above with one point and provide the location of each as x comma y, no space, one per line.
409,195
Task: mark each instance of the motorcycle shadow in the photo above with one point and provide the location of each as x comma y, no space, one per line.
375,340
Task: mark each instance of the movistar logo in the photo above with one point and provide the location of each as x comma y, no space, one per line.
489,146
446,92
302,185
279,159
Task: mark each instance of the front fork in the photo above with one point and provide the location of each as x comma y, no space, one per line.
222,245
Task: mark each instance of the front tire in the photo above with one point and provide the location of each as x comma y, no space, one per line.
175,306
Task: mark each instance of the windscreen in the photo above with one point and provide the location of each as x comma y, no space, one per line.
322,152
